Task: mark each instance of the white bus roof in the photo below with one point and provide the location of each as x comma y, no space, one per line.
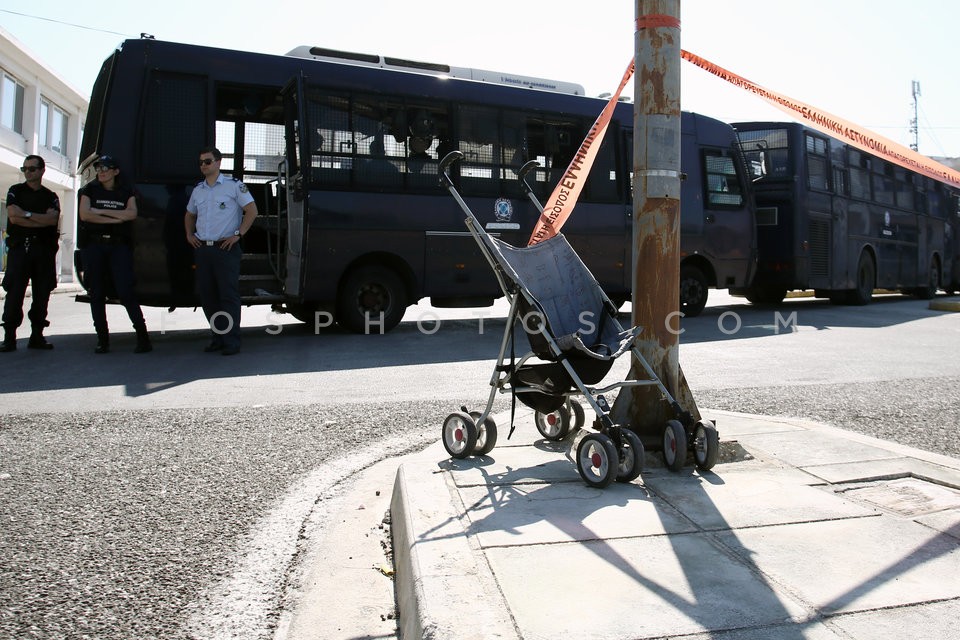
430,68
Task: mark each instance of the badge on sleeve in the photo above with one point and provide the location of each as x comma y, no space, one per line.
243,188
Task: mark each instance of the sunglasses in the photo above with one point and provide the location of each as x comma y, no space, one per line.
207,161
26,169
103,167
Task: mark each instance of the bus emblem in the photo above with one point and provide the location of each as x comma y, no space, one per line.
503,210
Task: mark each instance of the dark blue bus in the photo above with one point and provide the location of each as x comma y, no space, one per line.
843,222
341,152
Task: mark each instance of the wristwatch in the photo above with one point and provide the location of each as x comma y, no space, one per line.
237,233
27,214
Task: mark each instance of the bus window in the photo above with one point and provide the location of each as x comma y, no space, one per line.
883,187
817,171
859,175
330,139
479,128
601,184
766,153
251,152
904,187
428,135
544,140
721,181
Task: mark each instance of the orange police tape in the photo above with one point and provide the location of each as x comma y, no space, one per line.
836,126
564,197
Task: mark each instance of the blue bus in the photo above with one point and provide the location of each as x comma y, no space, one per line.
843,222
340,151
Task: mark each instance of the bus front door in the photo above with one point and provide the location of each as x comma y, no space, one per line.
296,168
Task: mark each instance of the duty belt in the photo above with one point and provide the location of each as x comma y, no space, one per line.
108,238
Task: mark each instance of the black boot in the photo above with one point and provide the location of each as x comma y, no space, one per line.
9,342
143,339
37,341
103,342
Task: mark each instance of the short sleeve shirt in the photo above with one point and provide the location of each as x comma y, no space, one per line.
114,200
219,209
35,201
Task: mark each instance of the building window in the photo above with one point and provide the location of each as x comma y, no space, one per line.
52,129
11,104
42,129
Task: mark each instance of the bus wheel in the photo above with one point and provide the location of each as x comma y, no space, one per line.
693,291
372,299
866,278
928,291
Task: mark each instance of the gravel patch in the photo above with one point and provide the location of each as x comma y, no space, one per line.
921,412
113,524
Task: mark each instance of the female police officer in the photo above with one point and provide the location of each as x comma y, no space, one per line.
107,211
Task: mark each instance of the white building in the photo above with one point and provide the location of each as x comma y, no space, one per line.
41,114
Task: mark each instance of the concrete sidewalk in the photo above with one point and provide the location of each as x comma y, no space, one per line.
808,532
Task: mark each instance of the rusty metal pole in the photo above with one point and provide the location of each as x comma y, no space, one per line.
656,220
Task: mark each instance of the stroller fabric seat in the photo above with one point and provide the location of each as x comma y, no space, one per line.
568,299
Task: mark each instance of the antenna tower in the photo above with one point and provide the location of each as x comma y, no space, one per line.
914,123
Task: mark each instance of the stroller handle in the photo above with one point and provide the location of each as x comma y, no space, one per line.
527,167
449,159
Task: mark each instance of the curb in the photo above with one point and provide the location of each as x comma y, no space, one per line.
945,305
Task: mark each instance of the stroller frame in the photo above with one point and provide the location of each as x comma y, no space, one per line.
611,452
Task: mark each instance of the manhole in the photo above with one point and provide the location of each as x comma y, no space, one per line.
907,496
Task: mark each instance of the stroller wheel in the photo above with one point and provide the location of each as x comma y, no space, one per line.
578,419
486,434
631,456
597,460
706,445
459,434
674,445
554,425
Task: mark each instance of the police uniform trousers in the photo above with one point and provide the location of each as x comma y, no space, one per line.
218,285
103,260
29,260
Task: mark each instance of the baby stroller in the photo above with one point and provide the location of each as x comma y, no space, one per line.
575,338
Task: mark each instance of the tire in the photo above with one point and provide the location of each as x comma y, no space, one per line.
928,291
367,292
553,426
597,460
706,445
577,417
674,445
459,435
630,455
866,278
693,291
486,434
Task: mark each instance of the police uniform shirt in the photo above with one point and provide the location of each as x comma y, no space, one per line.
219,209
103,198
34,201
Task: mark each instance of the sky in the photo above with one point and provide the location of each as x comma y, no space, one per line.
856,59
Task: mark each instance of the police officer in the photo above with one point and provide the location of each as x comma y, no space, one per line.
107,211
33,216
219,213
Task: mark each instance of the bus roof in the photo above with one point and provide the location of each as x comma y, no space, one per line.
437,69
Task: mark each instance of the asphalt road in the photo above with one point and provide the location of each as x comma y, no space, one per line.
167,495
